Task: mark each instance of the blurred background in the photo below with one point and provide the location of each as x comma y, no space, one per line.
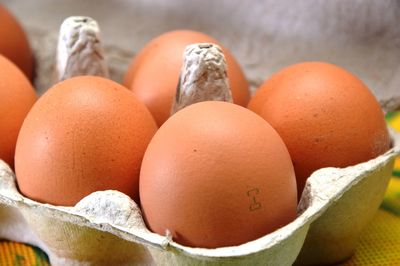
360,35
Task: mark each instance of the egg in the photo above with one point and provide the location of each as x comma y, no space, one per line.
215,174
14,43
16,99
83,135
326,116
154,73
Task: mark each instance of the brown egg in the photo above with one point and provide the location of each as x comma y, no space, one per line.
216,174
326,116
83,135
16,98
154,73
14,43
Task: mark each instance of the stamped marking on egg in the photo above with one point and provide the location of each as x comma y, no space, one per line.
254,205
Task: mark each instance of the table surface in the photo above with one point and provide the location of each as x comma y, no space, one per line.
378,245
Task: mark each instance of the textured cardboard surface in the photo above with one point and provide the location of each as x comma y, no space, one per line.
71,235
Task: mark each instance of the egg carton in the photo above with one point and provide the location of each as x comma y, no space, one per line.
106,227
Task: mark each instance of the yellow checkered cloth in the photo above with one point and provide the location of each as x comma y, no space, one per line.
379,244
12,253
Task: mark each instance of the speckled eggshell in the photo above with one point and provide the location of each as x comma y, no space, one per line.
154,73
216,174
326,116
83,135
14,43
16,99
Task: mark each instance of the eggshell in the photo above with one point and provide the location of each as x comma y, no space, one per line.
154,73
216,174
14,43
326,116
85,134
16,98
74,237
